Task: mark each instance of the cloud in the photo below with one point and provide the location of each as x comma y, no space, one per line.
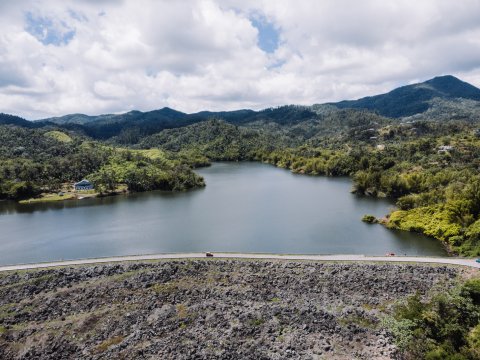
11,76
59,57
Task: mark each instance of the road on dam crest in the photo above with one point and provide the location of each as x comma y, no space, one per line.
355,258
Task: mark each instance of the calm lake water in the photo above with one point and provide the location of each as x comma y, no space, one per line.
246,207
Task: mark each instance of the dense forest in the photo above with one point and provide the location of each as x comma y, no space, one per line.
33,161
428,162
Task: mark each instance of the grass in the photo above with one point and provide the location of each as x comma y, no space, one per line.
35,281
368,307
127,274
59,136
256,322
121,188
182,283
182,311
48,198
6,310
86,191
358,320
166,288
151,153
107,343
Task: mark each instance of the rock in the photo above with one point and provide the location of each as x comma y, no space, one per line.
212,309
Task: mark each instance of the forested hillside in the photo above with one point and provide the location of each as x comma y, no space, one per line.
131,127
413,99
428,161
430,168
6,119
39,160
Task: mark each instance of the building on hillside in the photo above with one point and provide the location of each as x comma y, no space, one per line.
83,185
444,149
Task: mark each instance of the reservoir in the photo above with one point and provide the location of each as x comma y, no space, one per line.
245,207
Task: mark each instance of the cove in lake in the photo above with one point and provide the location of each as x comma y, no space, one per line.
246,207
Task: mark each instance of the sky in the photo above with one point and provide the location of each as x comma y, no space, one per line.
109,56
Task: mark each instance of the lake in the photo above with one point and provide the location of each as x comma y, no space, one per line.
245,207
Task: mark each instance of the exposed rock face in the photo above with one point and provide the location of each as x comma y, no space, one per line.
207,309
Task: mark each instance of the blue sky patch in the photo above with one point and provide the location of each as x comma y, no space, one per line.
268,35
48,31
77,16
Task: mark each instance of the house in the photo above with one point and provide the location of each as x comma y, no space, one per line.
444,149
83,185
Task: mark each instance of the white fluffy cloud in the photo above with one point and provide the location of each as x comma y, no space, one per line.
65,56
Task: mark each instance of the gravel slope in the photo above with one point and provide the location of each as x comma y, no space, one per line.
208,309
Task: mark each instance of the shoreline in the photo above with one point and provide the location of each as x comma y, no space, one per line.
69,196
467,262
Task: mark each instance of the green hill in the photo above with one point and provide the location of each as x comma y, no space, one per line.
413,99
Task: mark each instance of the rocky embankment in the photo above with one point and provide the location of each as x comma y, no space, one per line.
208,309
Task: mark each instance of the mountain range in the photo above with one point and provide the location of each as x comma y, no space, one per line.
414,99
447,91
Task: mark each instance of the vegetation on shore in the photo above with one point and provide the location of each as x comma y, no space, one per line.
48,198
428,162
370,219
445,327
431,169
32,162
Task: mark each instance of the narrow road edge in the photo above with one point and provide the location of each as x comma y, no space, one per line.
354,258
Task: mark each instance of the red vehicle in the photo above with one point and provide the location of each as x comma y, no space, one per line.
390,254
208,254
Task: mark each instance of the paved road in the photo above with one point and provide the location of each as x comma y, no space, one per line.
355,258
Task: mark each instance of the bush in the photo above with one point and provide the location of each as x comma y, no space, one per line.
18,190
446,327
473,341
369,219
471,289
